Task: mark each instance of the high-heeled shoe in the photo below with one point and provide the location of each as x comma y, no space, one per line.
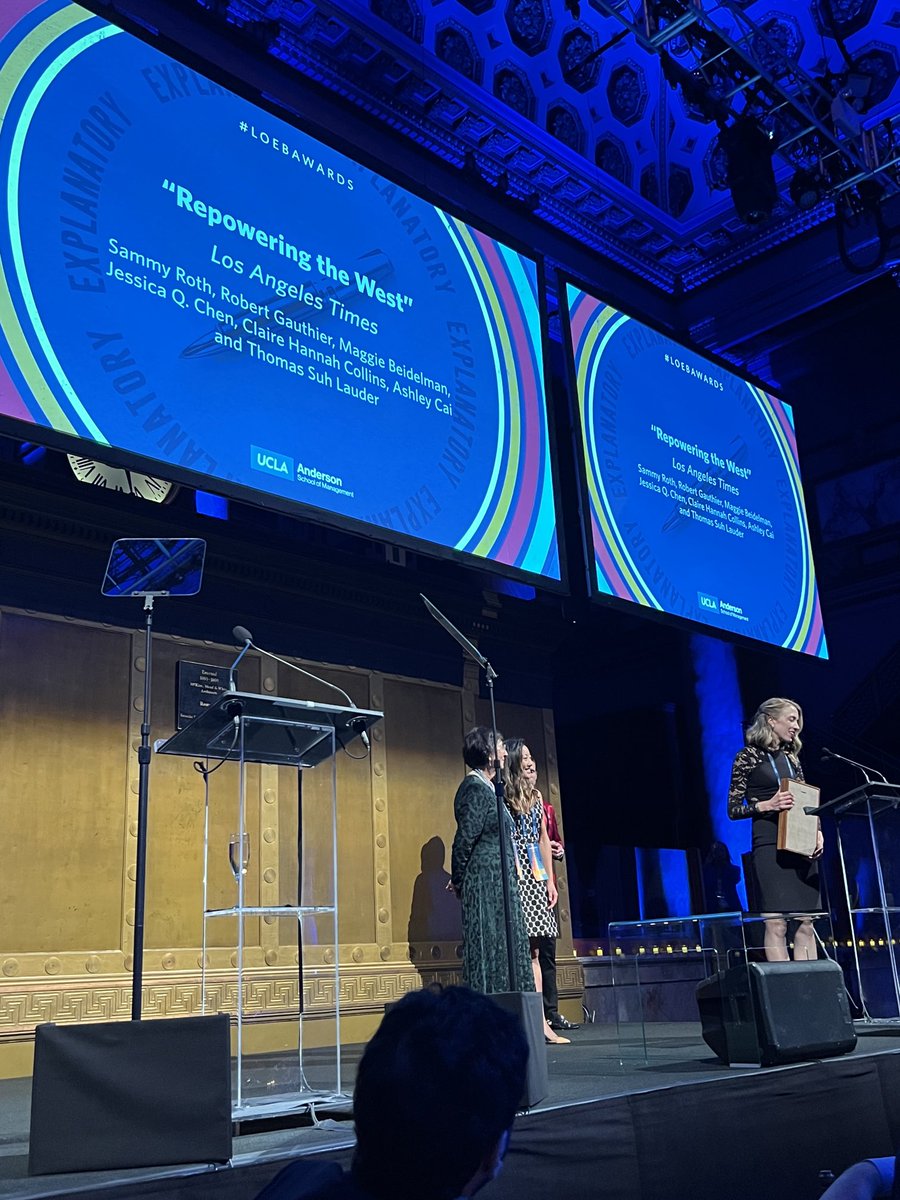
557,1041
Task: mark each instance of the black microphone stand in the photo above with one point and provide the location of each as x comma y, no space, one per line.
490,675
140,878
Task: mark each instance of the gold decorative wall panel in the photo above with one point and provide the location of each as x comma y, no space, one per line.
64,709
424,744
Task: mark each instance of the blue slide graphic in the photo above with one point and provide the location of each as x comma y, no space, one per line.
695,498
189,279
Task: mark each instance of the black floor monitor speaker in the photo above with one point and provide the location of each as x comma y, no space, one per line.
529,1008
776,1012
130,1094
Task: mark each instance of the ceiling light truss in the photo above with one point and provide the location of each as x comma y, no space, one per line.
746,72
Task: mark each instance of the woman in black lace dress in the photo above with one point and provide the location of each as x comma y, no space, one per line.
476,878
786,883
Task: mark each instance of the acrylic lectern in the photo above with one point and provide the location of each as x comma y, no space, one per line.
293,1009
867,829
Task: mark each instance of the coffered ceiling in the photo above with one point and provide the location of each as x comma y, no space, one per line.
567,110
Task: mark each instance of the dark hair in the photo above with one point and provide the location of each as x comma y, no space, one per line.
478,747
438,1085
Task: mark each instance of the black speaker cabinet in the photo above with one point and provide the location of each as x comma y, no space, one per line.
529,1008
776,1012
130,1094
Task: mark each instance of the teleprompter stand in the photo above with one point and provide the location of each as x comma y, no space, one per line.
148,568
246,729
134,1093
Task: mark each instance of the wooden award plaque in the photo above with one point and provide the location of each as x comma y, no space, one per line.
797,829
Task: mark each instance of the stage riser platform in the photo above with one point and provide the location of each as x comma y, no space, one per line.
767,1134
678,1126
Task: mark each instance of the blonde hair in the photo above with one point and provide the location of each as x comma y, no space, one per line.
521,795
761,734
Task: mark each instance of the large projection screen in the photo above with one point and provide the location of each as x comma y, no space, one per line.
192,283
693,491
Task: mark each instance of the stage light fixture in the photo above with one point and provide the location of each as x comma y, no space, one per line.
807,188
871,192
666,10
30,453
749,172
858,87
844,115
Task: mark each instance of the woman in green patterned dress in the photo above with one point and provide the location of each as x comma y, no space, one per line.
476,875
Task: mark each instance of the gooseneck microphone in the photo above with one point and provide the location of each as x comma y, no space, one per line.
241,634
867,771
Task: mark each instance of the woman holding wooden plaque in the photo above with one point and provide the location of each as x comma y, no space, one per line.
762,777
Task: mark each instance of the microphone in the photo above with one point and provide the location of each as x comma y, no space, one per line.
241,634
853,763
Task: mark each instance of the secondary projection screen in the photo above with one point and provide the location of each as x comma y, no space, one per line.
693,485
193,281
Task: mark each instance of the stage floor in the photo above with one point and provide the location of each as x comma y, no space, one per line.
624,1130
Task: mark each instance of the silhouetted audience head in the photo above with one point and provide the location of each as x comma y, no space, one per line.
436,1093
